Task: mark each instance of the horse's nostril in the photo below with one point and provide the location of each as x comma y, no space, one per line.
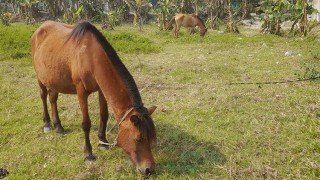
147,172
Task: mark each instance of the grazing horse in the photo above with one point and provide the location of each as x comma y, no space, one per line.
189,21
79,60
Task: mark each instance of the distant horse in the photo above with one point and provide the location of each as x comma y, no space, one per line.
79,60
189,21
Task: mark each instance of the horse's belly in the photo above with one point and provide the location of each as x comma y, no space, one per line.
60,85
58,82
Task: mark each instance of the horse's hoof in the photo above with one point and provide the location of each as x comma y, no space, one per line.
60,130
90,158
3,173
103,147
46,129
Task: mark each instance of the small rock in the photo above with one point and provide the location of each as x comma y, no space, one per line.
288,53
264,45
202,57
164,110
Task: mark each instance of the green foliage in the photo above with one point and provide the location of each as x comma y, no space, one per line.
231,26
299,15
73,15
312,71
111,18
5,18
28,3
273,13
29,6
131,43
214,23
15,41
165,10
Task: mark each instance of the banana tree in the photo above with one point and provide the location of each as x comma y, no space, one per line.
299,15
5,18
215,10
245,11
231,25
71,16
28,8
137,6
111,18
165,9
273,13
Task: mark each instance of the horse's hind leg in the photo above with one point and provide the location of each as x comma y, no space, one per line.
46,118
53,97
104,115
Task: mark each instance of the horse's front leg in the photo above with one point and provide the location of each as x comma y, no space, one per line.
192,30
104,115
86,122
177,30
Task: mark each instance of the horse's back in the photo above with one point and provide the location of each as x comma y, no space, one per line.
186,20
52,58
47,29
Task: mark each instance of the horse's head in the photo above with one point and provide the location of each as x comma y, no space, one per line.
136,134
203,31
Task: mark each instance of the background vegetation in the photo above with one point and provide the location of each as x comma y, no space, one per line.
115,12
206,127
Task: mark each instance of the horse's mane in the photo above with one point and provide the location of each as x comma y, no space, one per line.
146,127
196,16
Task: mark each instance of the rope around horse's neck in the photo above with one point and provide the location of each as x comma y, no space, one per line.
112,145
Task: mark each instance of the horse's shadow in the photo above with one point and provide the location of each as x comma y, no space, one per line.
179,153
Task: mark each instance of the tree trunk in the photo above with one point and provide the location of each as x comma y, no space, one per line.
196,5
304,30
163,21
186,7
245,13
231,26
53,8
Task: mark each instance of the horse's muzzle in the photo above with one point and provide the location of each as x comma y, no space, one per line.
146,171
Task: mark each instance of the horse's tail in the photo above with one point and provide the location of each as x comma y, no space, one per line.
169,25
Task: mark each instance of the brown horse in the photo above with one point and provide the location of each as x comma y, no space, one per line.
189,21
81,61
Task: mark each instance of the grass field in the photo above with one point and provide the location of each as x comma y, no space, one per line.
207,128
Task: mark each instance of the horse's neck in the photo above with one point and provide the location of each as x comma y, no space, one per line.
201,25
113,88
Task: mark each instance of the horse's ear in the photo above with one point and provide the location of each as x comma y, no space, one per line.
135,119
152,109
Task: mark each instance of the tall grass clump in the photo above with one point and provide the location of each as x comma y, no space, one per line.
16,40
131,43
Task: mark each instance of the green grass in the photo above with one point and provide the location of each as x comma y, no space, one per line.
206,127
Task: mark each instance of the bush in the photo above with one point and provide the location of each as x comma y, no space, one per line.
131,43
5,18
